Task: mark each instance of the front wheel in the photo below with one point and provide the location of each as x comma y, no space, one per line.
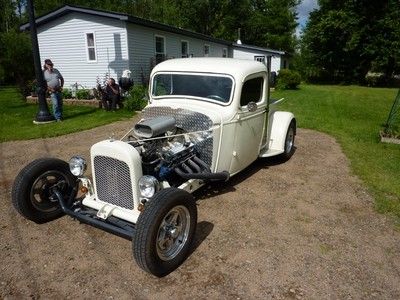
164,231
31,192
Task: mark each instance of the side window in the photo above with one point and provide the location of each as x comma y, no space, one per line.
252,91
185,48
91,47
160,48
206,50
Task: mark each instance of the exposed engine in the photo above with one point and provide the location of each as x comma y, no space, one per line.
169,152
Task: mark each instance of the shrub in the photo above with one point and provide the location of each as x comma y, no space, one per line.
375,79
137,98
83,94
66,93
288,79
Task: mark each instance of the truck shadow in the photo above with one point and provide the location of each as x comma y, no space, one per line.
214,189
203,230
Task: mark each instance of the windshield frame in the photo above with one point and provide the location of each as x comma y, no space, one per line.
203,99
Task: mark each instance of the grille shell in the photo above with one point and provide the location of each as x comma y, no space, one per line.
113,181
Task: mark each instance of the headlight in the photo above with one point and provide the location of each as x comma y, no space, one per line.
148,186
77,165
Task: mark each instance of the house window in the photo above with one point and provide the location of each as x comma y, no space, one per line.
260,58
160,48
91,47
252,91
224,52
206,50
185,48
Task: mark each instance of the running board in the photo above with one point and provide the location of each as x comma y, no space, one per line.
269,152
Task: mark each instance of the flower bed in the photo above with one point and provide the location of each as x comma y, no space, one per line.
79,102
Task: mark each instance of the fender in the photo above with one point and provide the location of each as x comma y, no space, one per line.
278,124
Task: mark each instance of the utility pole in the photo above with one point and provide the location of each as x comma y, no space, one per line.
43,115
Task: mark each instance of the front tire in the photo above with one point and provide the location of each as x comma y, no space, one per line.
31,192
164,231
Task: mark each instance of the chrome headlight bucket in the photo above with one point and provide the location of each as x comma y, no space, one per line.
77,165
148,186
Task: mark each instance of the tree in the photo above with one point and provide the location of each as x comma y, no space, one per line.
345,39
272,24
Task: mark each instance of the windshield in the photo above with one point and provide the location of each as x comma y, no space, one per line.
212,87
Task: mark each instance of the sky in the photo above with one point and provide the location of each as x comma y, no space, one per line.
303,10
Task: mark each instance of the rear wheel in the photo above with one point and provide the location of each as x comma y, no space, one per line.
289,141
164,231
31,193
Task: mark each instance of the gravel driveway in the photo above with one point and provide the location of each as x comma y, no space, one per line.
304,229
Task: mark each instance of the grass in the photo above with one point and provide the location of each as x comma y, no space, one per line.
16,118
354,116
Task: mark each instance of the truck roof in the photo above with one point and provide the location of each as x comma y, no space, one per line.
238,68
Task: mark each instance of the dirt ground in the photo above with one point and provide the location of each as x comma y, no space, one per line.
304,229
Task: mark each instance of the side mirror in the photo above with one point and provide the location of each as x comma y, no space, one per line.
252,106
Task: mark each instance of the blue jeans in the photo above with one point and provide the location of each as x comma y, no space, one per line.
57,105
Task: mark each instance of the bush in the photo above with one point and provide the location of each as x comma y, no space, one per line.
288,80
83,94
136,100
66,93
375,79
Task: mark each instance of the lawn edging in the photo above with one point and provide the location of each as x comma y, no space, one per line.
77,102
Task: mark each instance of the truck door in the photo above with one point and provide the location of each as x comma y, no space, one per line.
250,122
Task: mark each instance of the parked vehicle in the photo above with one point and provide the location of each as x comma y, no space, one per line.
207,119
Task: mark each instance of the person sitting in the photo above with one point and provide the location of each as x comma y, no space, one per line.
111,96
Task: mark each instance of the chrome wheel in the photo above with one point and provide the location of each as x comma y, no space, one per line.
173,232
289,140
41,196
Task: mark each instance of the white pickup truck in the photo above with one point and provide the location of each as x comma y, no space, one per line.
207,119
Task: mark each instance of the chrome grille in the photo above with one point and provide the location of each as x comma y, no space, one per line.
113,181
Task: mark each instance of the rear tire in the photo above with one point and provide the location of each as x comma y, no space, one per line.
31,195
289,147
164,231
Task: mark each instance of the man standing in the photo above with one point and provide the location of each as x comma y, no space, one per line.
55,83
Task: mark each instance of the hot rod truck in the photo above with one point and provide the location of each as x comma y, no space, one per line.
207,119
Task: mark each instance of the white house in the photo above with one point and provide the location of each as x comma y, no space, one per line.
278,60
88,44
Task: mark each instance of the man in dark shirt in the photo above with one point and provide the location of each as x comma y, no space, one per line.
111,97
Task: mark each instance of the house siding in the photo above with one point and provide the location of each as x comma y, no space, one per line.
64,41
120,45
249,54
141,45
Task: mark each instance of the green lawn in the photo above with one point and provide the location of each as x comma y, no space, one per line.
354,116
16,118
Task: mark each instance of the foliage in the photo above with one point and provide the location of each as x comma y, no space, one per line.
16,58
288,79
354,116
83,94
346,39
66,93
16,113
375,79
136,100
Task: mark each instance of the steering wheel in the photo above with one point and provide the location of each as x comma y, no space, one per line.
216,97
